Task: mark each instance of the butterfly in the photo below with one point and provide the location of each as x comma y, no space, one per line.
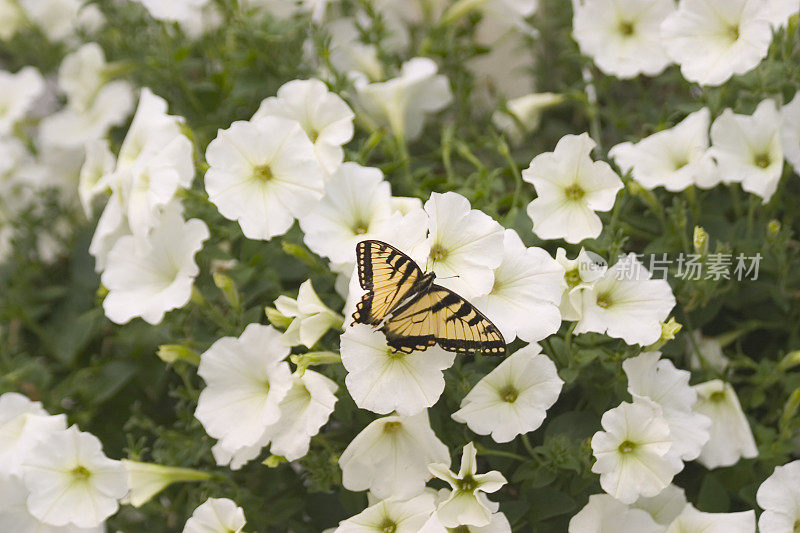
412,311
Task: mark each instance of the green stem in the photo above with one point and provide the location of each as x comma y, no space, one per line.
529,447
500,453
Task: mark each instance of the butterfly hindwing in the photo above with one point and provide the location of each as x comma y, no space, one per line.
443,317
388,275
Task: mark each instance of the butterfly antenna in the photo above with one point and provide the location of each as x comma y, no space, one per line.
450,277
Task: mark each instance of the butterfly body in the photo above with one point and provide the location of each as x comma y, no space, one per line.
412,311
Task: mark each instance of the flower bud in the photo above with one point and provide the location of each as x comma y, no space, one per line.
169,353
146,480
773,228
228,288
700,240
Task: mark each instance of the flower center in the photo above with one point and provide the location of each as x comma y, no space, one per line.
680,163
604,300
762,160
626,28
438,253
797,526
573,277
360,227
459,529
732,33
627,447
263,173
509,393
574,192
392,427
81,473
717,397
468,484
388,526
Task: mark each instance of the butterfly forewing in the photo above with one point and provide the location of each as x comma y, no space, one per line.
388,274
443,317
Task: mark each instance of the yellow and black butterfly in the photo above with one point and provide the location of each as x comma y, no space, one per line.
412,311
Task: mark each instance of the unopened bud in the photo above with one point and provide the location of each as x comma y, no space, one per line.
700,241
273,460
773,228
170,353
228,288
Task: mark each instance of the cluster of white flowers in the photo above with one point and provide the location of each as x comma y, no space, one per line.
745,149
58,20
52,477
711,40
252,398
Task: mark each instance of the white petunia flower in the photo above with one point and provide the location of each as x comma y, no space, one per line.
605,514
675,158
324,116
731,436
23,423
154,162
61,19
15,517
748,149
145,480
463,244
93,106
790,132
502,71
151,130
693,521
626,304
779,496
71,481
352,57
570,187
148,284
714,39
390,456
513,398
398,516
216,515
579,274
174,10
659,381
357,201
632,452
81,74
665,506
263,174
523,115
383,380
467,504
706,350
71,128
246,379
526,292
310,317
622,36
304,410
402,102
18,92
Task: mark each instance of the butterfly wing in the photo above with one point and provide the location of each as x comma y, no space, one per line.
388,275
443,317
